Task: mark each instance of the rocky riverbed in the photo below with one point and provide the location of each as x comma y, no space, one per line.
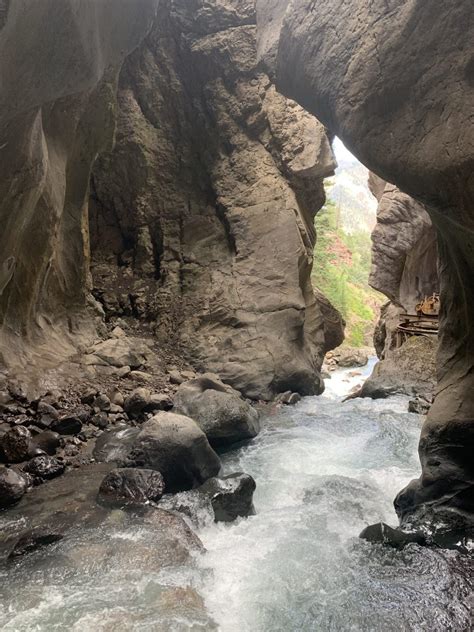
107,548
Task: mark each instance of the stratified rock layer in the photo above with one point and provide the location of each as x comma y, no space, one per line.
202,216
395,80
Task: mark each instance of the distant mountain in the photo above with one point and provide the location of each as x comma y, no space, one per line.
356,206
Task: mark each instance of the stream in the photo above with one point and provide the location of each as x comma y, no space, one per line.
324,470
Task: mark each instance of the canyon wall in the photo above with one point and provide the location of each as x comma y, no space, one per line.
395,80
202,217
200,221
58,65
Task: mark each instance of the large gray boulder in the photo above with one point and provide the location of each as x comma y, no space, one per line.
172,444
220,411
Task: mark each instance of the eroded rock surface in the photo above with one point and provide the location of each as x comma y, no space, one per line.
395,81
58,67
202,216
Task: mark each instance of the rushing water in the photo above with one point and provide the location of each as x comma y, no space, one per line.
324,470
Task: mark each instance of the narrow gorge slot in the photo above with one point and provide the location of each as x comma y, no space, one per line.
236,366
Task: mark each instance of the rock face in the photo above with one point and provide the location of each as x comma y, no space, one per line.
58,64
404,250
395,81
408,370
202,216
219,411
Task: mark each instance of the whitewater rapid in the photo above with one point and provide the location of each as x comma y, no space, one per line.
324,470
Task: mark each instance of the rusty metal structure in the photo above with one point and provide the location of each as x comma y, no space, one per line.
424,322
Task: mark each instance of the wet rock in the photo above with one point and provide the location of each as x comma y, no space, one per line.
408,370
44,467
12,487
288,397
132,485
29,541
47,414
221,413
381,533
70,425
114,445
231,496
47,441
136,402
16,444
175,446
419,406
347,357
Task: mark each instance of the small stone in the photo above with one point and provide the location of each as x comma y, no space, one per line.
16,444
176,377
137,401
141,376
102,402
70,425
116,397
89,396
100,421
118,332
188,375
12,487
44,467
123,371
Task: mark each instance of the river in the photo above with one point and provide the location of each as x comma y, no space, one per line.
324,470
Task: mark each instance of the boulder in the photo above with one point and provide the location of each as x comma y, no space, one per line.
121,352
70,425
47,441
17,445
175,446
12,487
409,370
347,357
231,496
132,485
221,413
382,533
44,467
137,401
419,406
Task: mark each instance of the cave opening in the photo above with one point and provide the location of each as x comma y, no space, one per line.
343,251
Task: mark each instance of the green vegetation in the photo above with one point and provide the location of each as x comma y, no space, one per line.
341,271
